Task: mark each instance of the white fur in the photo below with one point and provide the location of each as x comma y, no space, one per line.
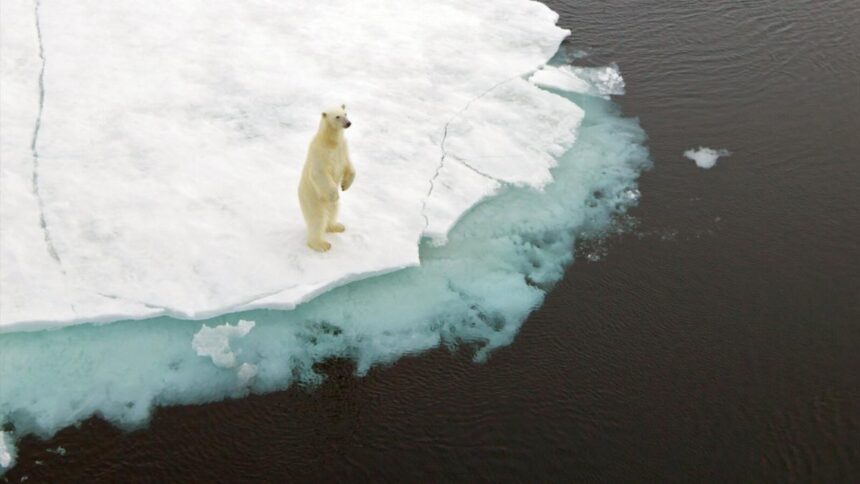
327,170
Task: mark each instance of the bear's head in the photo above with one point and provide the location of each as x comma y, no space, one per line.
336,117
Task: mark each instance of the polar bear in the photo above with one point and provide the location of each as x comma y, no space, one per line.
327,170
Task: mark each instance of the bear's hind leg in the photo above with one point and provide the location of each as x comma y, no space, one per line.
332,224
315,234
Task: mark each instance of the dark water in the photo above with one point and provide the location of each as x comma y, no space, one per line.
719,339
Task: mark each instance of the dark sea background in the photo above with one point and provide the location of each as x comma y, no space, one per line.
717,339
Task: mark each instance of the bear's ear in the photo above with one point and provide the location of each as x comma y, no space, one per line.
343,106
323,113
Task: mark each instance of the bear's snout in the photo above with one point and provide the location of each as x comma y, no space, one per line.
347,124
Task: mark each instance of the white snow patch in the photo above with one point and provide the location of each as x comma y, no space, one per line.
706,157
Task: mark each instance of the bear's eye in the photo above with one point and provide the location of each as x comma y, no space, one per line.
337,117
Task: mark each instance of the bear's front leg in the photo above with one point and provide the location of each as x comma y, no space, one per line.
326,187
348,178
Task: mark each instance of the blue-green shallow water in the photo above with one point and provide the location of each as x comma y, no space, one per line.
473,292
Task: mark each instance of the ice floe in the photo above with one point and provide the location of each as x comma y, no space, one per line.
161,178
167,159
706,157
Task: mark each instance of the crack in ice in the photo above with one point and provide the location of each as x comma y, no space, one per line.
52,251
445,153
479,172
144,304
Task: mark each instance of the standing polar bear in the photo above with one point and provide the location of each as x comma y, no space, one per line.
327,170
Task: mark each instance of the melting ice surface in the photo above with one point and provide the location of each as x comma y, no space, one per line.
164,186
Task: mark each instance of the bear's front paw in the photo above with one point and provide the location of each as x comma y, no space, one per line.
335,227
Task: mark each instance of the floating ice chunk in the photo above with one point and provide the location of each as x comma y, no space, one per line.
605,81
561,78
215,342
633,194
7,450
706,157
597,81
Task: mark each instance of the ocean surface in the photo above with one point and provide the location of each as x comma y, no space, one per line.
715,338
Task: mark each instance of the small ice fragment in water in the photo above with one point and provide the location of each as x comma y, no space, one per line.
7,450
607,80
60,450
706,157
632,194
215,342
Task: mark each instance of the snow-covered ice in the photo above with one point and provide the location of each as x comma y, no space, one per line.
165,168
162,177
706,157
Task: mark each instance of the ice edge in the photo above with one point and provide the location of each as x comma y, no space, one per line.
444,153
